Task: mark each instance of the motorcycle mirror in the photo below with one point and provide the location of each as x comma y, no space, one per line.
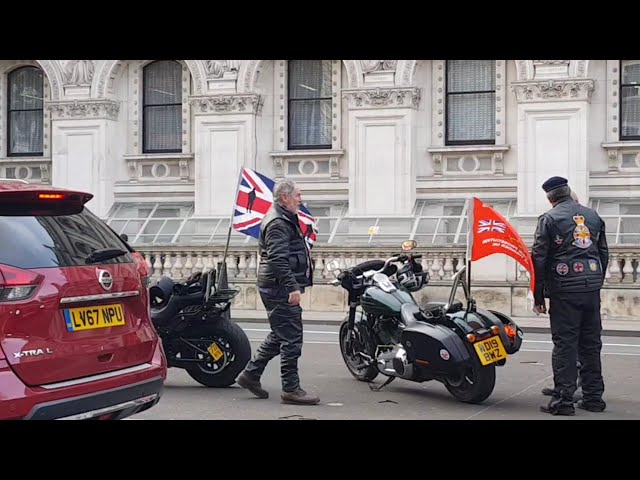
409,245
334,267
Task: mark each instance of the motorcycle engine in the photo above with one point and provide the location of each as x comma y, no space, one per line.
388,330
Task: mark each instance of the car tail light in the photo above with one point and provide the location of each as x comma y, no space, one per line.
30,200
17,284
143,268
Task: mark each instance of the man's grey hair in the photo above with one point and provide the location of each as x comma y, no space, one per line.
285,187
574,196
559,193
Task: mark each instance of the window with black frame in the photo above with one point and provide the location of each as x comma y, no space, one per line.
309,104
162,107
630,100
470,102
25,112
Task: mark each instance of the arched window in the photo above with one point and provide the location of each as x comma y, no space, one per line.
25,112
162,107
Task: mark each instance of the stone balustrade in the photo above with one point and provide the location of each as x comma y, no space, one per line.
620,295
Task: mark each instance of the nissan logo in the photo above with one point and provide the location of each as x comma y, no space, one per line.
105,279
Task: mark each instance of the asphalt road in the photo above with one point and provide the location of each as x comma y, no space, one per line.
516,395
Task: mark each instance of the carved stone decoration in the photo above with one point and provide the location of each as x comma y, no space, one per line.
78,72
246,103
45,176
378,65
498,160
217,68
551,62
524,69
614,161
553,90
106,109
184,170
437,164
383,97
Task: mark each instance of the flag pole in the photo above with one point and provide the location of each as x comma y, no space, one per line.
223,265
470,222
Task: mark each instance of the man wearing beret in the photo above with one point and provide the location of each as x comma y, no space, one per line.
570,256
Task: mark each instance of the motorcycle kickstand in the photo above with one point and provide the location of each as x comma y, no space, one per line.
377,389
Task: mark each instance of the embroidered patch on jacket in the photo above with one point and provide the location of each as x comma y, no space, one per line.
558,240
593,265
562,268
578,267
581,234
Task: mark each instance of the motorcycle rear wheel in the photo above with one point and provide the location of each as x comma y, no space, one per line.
235,346
364,343
476,384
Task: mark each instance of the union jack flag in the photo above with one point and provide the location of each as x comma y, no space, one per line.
255,197
491,226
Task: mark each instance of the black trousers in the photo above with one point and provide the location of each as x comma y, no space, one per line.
285,339
576,328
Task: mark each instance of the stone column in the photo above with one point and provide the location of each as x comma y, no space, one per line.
83,132
552,134
382,172
224,141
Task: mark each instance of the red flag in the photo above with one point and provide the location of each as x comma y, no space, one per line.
491,233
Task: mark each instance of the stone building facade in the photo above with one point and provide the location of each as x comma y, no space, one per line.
383,149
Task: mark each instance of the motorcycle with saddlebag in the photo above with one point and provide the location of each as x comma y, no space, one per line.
198,335
387,332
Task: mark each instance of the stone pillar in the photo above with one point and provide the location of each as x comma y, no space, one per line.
552,134
224,141
82,135
382,172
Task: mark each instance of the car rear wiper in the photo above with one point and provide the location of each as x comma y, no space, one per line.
104,254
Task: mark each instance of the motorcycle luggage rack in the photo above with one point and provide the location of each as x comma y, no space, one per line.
222,295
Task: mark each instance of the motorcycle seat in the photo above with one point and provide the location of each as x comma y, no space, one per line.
167,313
433,307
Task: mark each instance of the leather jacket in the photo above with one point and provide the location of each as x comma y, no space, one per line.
285,260
570,252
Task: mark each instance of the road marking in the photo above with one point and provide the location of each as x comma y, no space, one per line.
320,332
318,342
510,397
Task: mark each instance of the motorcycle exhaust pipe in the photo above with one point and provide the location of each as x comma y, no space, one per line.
401,366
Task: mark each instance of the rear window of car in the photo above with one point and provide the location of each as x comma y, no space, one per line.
56,241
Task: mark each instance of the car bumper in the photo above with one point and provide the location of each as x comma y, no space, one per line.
111,396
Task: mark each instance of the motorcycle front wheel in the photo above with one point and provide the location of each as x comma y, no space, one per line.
475,384
220,352
363,342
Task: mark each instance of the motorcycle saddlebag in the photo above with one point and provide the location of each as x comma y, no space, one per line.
434,346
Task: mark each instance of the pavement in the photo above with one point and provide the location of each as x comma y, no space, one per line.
540,324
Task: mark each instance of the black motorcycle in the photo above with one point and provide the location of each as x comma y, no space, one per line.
387,332
192,319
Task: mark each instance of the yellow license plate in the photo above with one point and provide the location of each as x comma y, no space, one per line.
89,318
215,351
490,350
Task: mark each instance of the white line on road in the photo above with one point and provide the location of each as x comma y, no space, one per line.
510,397
320,332
318,342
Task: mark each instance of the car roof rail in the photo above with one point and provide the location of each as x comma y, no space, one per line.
9,180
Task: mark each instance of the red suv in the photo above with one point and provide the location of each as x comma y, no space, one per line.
76,338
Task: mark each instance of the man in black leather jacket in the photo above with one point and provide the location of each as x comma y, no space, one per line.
570,255
284,272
